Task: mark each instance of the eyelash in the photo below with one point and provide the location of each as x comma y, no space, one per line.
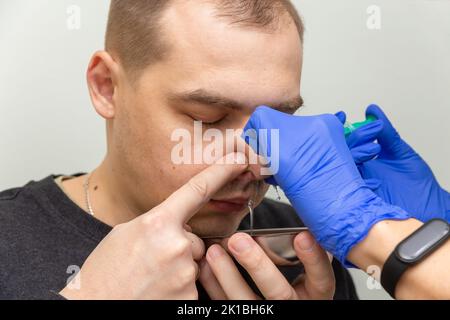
210,124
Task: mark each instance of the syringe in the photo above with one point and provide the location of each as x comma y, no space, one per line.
349,128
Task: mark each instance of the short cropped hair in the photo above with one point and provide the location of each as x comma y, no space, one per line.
134,26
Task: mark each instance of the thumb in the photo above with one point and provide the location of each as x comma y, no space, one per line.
389,139
342,116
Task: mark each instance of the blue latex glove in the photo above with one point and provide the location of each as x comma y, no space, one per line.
321,180
398,175
361,142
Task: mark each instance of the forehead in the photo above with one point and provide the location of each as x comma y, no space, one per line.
209,51
194,26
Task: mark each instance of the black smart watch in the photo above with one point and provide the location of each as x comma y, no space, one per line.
412,250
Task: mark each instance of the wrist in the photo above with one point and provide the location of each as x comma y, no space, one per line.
381,241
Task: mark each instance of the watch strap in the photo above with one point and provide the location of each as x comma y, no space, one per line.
427,239
392,271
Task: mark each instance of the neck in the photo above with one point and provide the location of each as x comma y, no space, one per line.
111,200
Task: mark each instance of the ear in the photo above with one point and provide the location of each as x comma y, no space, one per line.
101,78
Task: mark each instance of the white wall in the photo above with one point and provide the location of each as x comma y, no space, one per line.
47,124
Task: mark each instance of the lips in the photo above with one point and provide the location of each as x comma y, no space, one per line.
240,201
234,205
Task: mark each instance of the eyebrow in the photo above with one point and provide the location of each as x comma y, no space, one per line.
203,97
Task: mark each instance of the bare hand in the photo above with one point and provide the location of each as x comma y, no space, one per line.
155,256
222,280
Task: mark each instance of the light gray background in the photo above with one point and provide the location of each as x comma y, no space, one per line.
47,124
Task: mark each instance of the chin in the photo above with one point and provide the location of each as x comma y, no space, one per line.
211,225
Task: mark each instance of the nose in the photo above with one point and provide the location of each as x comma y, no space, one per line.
246,178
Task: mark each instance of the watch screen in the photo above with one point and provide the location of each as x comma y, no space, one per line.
422,240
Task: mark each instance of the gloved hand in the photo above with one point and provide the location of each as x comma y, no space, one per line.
319,177
398,175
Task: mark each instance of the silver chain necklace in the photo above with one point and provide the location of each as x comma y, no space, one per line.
86,195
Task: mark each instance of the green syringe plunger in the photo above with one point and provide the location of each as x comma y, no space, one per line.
349,128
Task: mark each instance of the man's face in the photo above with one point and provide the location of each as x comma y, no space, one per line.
217,73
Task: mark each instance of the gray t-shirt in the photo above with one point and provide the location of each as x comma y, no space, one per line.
45,238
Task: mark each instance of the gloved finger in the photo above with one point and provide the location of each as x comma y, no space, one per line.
365,152
260,148
388,138
365,134
341,116
271,181
373,184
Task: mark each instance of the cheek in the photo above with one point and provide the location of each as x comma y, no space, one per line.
142,146
179,175
205,223
143,135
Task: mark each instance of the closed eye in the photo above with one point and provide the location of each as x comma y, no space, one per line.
210,123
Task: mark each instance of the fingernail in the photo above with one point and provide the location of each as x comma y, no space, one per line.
305,243
241,245
214,252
